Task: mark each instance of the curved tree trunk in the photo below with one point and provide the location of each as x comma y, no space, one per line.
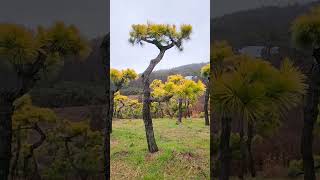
152,146
146,114
180,111
206,109
6,111
224,148
31,150
310,117
249,148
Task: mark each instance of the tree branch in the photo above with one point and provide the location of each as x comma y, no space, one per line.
145,75
154,42
28,75
33,147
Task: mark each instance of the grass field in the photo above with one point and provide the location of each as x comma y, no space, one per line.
183,150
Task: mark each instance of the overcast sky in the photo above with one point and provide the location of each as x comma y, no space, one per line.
124,13
90,16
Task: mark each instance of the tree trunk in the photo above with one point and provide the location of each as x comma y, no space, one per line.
147,119
35,175
105,53
168,110
224,148
6,111
33,147
206,109
186,113
180,111
242,149
249,148
310,117
161,110
188,109
80,172
146,114
213,131
13,170
212,160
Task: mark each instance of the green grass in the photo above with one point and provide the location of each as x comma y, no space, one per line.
183,150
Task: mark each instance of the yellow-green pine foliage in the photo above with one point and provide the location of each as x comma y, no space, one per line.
19,45
255,87
220,52
178,85
205,71
306,29
160,34
26,114
123,77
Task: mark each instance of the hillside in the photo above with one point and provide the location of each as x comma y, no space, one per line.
186,70
258,26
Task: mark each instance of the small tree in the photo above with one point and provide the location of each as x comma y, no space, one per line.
205,73
27,119
175,84
77,151
118,80
160,93
306,35
183,90
190,91
164,37
30,54
120,102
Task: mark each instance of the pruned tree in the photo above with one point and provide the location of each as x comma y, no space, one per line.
118,80
30,53
164,37
306,35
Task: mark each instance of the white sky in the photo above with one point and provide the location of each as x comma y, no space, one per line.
124,13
